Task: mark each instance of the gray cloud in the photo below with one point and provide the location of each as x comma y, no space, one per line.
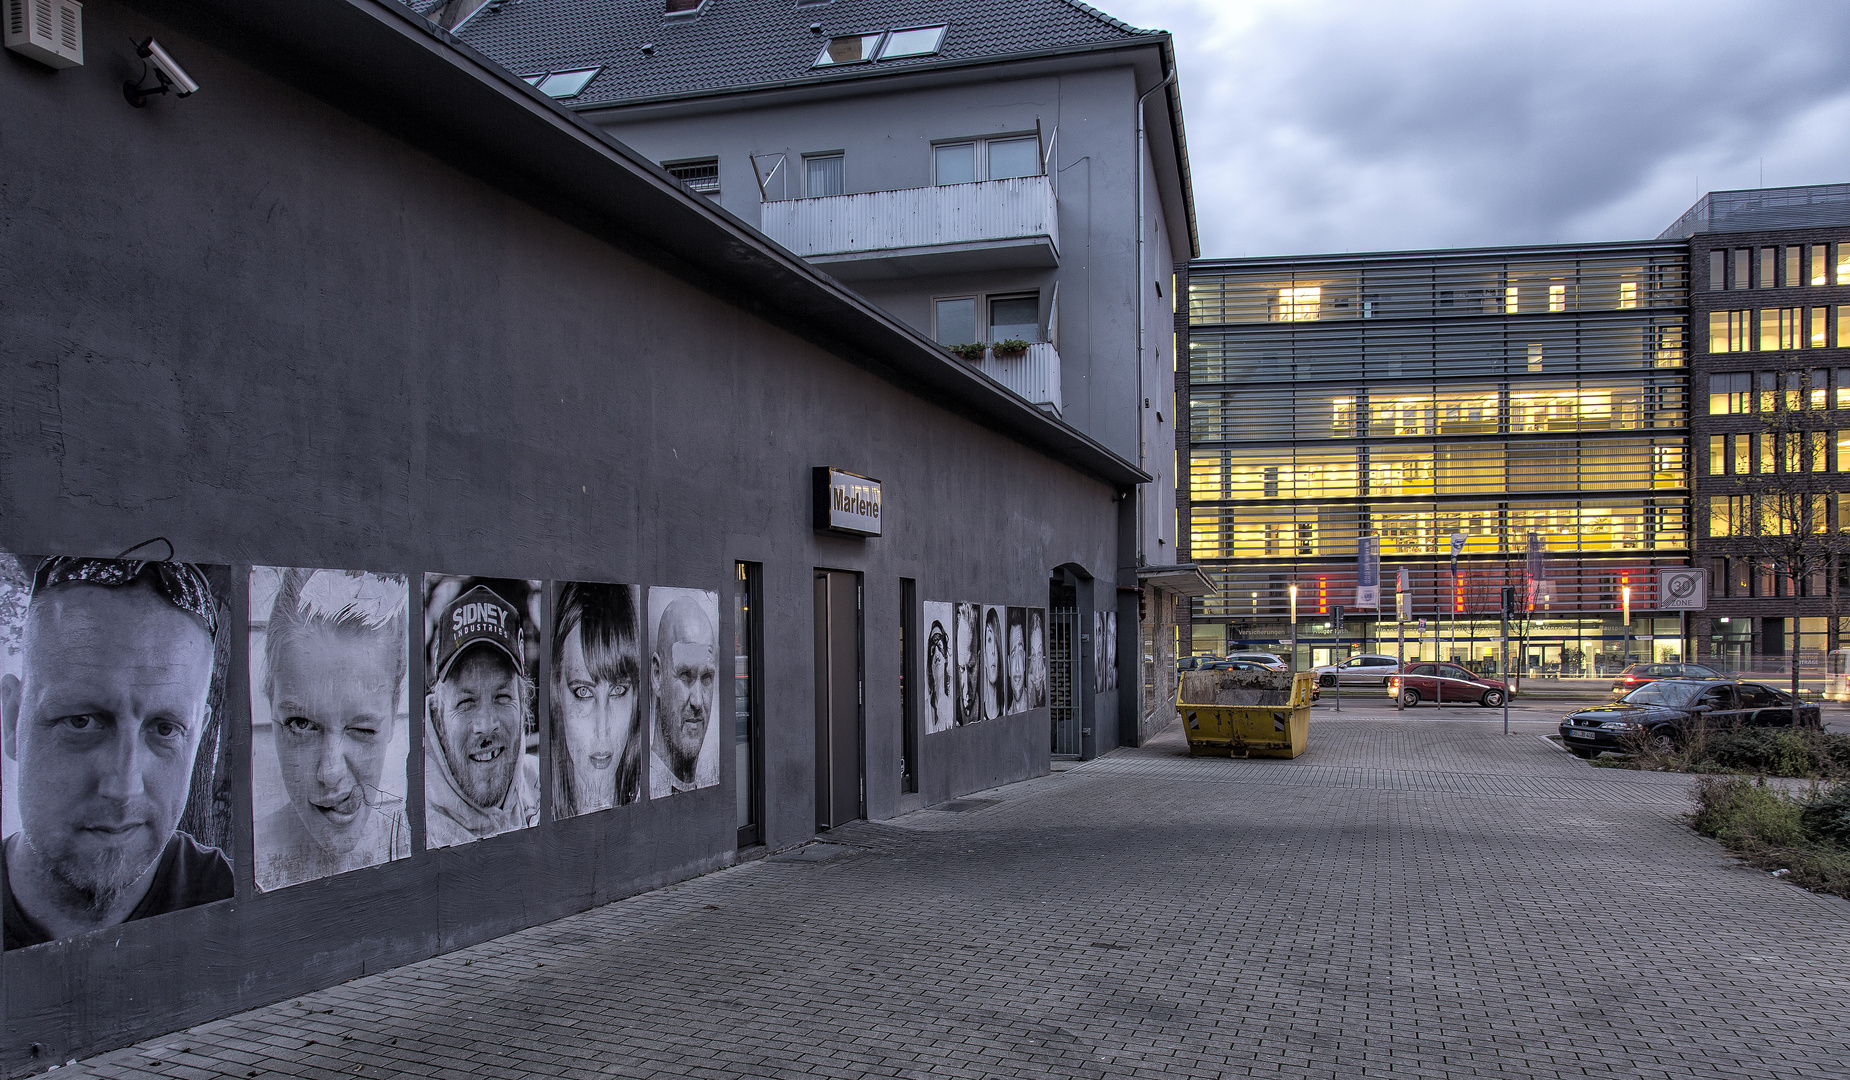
1348,125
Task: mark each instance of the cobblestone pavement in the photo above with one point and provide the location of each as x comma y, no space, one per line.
1411,898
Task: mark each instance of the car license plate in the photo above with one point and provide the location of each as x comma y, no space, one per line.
1580,733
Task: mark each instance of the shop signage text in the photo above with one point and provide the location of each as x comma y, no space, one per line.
847,502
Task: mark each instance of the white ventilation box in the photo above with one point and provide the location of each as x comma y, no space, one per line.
49,31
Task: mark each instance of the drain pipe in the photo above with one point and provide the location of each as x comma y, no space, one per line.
1142,402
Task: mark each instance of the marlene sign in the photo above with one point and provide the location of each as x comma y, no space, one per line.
847,502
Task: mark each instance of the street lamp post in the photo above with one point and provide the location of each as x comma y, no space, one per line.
1294,627
1625,654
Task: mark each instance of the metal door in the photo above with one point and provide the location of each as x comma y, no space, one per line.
1062,678
839,694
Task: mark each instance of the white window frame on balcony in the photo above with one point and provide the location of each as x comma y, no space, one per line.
984,322
841,173
979,148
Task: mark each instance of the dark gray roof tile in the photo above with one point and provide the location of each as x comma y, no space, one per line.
749,43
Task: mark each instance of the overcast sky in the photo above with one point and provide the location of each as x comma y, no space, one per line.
1364,125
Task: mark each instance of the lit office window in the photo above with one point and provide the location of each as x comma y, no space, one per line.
1820,327
1299,304
1557,298
1779,329
1818,264
1728,331
1819,390
1628,295
1718,455
1730,394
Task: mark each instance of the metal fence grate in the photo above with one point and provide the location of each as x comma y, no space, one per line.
1062,677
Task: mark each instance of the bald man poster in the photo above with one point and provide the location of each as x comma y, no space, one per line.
683,668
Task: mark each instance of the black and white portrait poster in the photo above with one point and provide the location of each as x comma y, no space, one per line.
330,721
969,658
937,666
116,782
684,690
993,674
1015,661
482,733
1111,651
1037,659
596,722
1098,652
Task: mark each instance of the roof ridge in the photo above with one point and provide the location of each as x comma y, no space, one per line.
1109,20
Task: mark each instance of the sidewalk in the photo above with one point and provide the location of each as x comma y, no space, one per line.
1422,898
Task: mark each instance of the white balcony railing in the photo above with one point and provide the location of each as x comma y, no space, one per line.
1035,376
1003,220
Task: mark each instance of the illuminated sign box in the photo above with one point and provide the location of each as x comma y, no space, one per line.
846,502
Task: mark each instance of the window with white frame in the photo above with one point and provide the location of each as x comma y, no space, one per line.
986,159
986,318
822,175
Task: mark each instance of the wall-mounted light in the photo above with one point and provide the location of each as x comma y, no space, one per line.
169,76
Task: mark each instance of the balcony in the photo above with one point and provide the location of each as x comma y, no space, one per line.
1035,376
954,228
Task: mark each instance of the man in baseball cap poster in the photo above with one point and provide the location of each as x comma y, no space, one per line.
479,780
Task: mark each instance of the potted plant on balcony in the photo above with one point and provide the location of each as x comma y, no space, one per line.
1011,349
971,351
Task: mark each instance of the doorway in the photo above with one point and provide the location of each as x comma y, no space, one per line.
1063,668
839,785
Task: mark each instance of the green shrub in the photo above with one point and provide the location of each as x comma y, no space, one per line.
1827,815
1745,814
1768,752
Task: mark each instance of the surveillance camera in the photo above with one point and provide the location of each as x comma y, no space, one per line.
170,76
170,72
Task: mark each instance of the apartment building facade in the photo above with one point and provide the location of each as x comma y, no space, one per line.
1010,180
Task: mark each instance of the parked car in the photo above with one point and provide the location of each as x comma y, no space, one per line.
1369,669
1432,681
1667,710
1637,675
1191,663
1234,665
1266,658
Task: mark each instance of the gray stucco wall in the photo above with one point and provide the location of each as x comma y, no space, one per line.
252,324
885,138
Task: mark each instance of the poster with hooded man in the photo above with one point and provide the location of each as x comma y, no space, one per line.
481,737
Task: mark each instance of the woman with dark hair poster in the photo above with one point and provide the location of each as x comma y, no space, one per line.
995,687
597,739
1017,640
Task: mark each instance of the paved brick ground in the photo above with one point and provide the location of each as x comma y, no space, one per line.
1414,897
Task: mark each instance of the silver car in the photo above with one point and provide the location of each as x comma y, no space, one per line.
1263,659
1368,669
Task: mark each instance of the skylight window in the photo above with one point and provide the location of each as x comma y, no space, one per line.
564,84
683,7
919,41
851,49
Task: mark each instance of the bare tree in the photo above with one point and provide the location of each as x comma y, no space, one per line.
1787,505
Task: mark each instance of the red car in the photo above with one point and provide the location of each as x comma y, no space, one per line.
1432,681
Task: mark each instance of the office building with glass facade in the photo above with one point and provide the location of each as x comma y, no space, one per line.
1493,395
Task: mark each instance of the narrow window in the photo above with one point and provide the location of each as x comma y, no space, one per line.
909,679
1743,258
955,321
1743,455
1718,455
955,163
1843,323
1768,257
1792,266
1718,270
1819,270
1768,458
1557,298
1719,385
1819,390
1843,264
1816,445
1769,392
1820,327
700,176
748,699
1843,458
822,175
